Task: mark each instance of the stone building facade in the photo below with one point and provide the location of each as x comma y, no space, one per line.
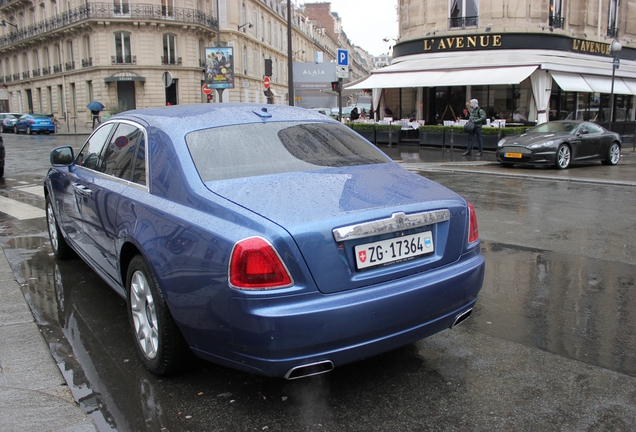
55,56
522,59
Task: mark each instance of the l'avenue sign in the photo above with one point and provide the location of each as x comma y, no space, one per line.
510,41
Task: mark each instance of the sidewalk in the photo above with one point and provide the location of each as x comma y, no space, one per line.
79,128
33,393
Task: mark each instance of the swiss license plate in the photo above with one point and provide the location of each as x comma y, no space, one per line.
513,155
395,249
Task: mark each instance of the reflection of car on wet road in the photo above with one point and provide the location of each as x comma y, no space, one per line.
560,143
269,239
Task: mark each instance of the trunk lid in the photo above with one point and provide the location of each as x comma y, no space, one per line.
310,205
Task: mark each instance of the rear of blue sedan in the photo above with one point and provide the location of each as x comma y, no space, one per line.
34,123
282,243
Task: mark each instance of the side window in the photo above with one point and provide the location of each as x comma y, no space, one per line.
139,173
120,155
594,129
90,154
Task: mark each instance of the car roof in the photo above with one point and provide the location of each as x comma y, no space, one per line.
184,118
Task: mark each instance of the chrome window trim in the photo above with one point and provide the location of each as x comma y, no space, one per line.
130,183
397,222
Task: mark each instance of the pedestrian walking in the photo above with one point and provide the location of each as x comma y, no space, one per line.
478,117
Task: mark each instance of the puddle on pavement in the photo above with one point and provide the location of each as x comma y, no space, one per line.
580,308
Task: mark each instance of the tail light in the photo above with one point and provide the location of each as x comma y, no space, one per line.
32,121
473,231
255,264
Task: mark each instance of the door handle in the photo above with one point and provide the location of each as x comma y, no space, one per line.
82,190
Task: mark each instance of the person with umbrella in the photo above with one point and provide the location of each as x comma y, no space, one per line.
95,108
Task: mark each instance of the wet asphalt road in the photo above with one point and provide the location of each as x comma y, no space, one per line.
551,344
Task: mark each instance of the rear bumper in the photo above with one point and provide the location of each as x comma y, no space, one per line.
274,335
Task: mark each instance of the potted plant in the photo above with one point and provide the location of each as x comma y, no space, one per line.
384,132
366,130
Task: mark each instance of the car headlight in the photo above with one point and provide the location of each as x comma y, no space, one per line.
501,142
541,144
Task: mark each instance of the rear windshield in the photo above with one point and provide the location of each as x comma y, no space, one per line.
273,148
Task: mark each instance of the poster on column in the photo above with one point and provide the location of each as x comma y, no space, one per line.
219,67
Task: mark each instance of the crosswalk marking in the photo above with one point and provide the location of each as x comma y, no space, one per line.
19,210
35,190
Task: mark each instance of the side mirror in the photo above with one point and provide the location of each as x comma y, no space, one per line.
62,156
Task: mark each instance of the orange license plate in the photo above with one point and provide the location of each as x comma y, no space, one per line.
513,155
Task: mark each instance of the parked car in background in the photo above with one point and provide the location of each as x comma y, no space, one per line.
266,238
34,123
8,121
323,111
559,143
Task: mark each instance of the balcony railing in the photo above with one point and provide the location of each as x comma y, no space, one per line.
46,70
612,32
165,60
16,77
25,74
123,59
35,72
463,22
57,68
556,22
8,78
91,11
87,62
69,66
1,79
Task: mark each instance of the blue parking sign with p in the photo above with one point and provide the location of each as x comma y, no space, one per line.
343,58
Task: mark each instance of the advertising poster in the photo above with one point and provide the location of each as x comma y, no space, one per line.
219,67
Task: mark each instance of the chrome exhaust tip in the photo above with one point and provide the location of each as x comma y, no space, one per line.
461,317
310,369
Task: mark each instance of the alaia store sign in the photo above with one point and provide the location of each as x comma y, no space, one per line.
314,76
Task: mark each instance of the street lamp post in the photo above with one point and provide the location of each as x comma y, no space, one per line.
615,47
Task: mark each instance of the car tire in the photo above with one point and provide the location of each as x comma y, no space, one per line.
1,171
613,154
563,157
61,249
29,131
159,342
15,130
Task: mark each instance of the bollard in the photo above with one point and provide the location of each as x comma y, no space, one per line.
452,142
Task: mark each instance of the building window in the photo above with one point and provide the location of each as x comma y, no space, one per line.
463,14
556,14
122,48
121,7
169,49
167,8
612,18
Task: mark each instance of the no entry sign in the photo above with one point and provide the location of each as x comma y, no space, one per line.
266,82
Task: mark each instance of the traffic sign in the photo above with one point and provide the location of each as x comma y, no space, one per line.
343,57
266,82
166,78
342,71
206,90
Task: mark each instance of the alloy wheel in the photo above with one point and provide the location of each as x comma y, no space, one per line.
563,157
144,314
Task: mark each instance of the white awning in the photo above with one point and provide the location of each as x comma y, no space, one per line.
571,82
631,84
601,84
456,77
592,83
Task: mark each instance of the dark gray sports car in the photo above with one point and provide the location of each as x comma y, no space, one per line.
559,143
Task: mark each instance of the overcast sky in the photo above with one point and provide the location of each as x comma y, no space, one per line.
367,22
